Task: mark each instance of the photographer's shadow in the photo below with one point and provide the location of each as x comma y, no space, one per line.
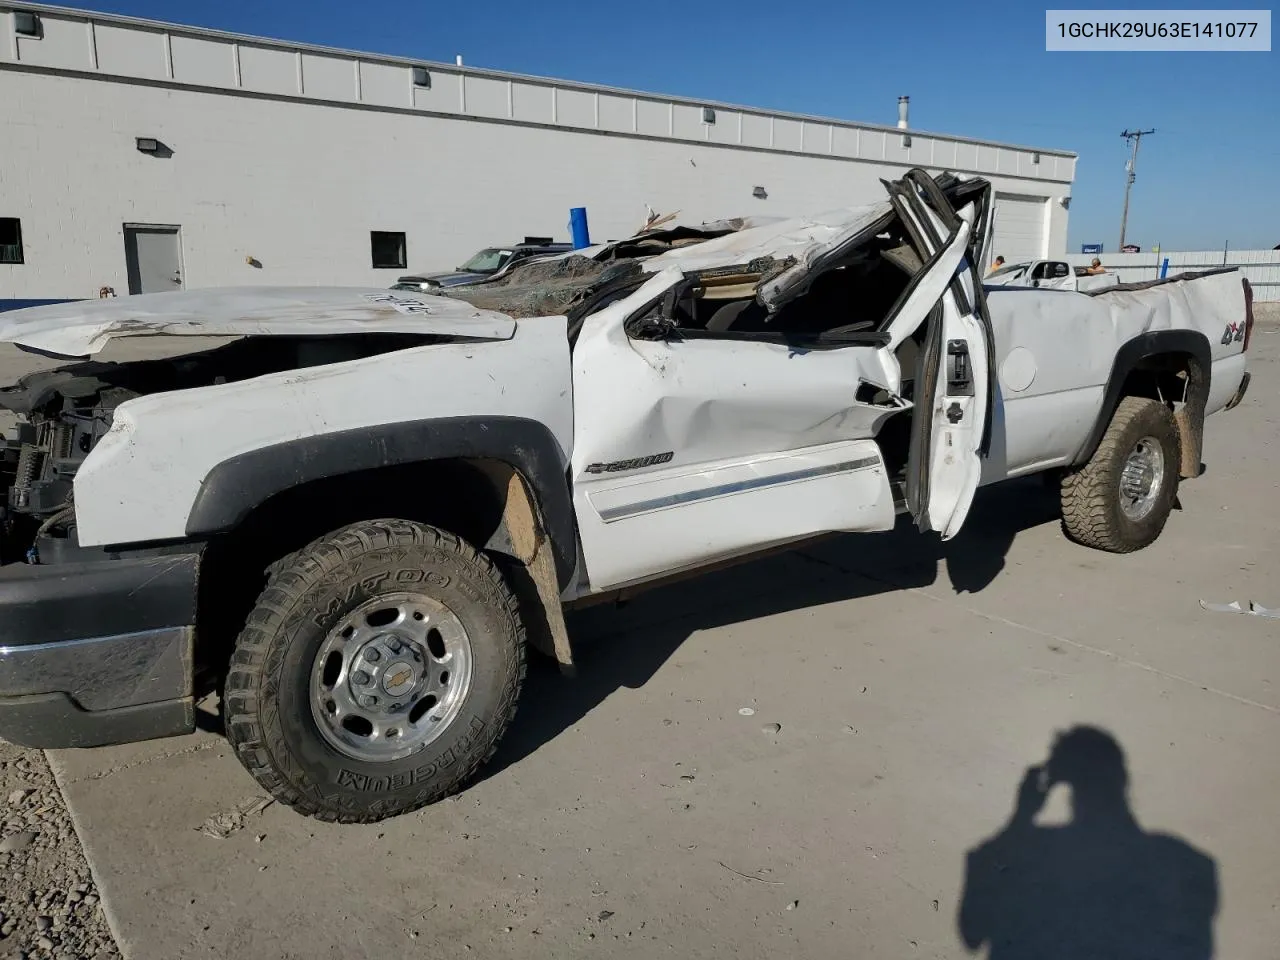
1098,887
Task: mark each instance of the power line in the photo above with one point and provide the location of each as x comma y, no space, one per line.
1135,138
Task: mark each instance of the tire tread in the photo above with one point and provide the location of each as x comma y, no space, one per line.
1088,494
287,580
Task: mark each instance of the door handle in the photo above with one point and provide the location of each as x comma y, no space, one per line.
959,371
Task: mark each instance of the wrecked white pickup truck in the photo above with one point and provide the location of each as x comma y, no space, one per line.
352,520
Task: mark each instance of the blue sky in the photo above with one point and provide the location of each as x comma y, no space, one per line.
1207,177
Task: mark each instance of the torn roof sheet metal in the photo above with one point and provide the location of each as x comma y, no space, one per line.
782,250
803,239
82,328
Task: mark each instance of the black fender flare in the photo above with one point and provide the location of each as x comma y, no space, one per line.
237,486
1142,347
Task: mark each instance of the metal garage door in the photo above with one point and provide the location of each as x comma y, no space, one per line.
1018,232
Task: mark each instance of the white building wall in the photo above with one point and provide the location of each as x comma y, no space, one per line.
291,155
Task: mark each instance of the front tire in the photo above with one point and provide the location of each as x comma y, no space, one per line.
377,672
1119,500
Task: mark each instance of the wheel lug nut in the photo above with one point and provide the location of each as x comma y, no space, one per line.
372,655
368,701
360,678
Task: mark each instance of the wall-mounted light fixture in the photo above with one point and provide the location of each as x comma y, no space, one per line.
708,115
760,193
1035,158
421,77
27,24
153,147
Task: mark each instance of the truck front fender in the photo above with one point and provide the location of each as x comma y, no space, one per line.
237,486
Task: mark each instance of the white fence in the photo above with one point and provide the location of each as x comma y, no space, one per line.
1261,267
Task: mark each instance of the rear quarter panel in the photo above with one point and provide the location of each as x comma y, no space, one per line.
1213,305
1055,351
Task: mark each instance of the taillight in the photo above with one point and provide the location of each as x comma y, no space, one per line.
1248,312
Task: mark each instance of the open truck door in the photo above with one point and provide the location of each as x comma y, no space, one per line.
950,222
737,399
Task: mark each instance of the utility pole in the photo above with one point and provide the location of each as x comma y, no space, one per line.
1134,137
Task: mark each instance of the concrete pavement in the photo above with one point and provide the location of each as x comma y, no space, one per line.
636,811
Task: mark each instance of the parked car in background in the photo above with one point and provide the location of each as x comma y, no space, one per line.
487,263
1050,275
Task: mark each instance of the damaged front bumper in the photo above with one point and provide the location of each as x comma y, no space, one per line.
98,652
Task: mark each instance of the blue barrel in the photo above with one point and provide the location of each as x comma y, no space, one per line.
578,228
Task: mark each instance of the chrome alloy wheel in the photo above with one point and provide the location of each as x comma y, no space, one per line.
1142,479
390,677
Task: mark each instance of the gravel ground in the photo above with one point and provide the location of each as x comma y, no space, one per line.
49,906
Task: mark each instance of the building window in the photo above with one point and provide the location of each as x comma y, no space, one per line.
27,24
10,240
388,249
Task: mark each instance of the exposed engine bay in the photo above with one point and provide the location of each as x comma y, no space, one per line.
63,413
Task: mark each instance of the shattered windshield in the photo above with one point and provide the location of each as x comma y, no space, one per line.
488,260
545,288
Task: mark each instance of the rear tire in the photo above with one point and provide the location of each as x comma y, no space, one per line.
1119,500
377,672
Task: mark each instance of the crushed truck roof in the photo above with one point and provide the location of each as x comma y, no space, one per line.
779,253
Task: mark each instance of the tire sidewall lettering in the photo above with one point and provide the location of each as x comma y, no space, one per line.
334,595
306,596
419,774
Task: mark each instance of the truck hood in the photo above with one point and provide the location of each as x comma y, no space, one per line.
82,328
